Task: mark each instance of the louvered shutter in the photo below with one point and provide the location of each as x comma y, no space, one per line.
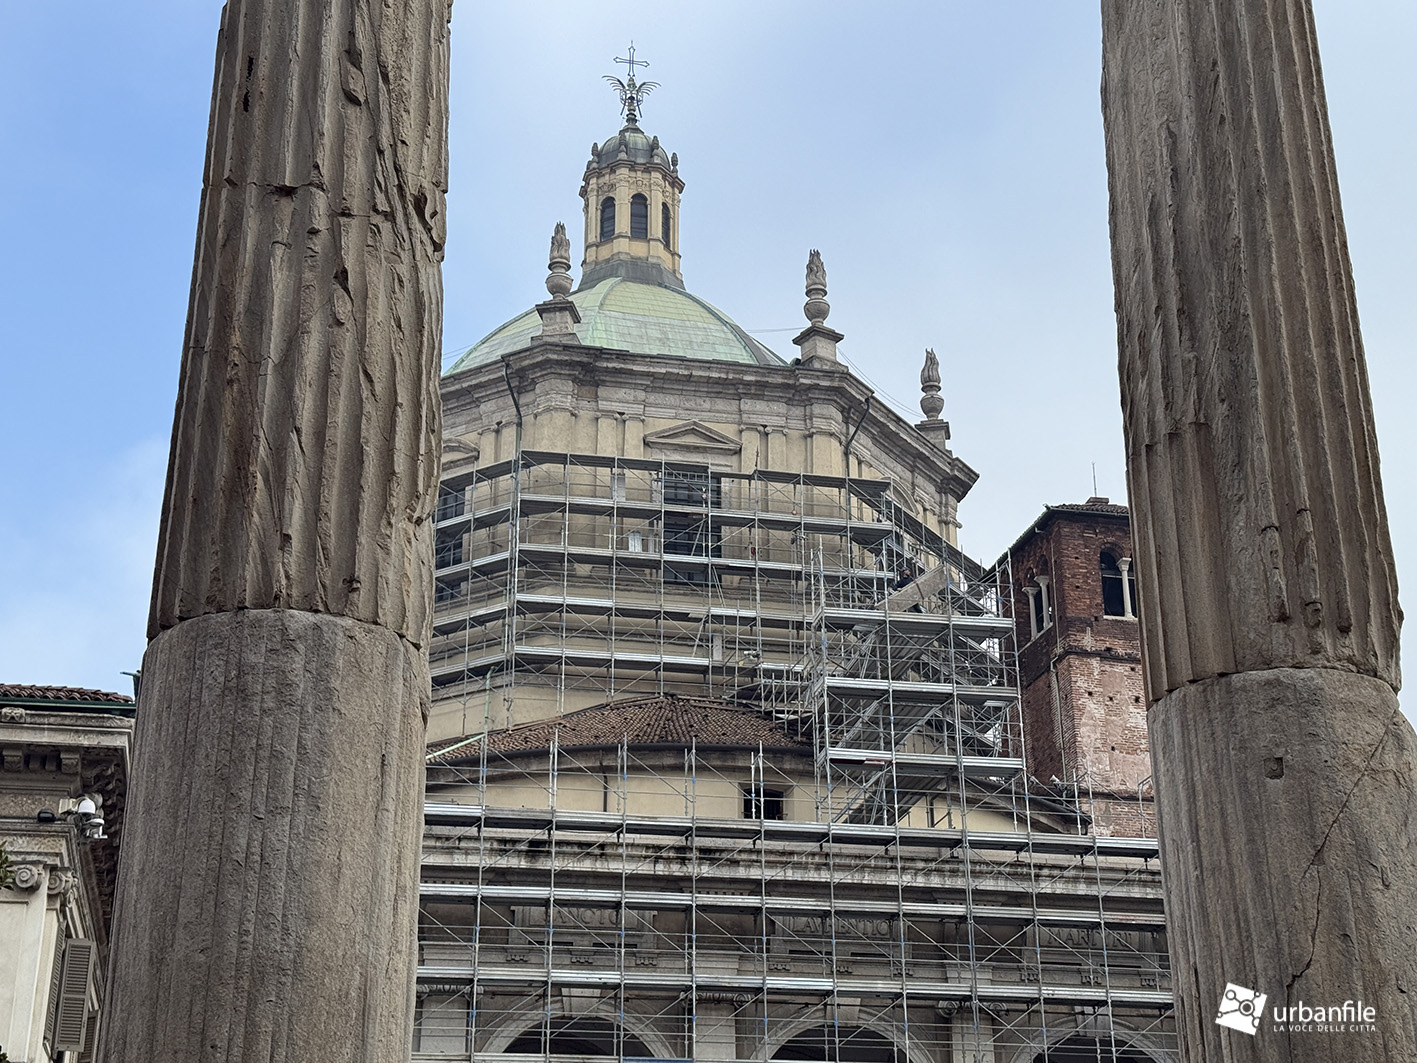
90,1052
73,1013
51,1004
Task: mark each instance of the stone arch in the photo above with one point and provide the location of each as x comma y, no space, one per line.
525,1017
863,1042
1086,1043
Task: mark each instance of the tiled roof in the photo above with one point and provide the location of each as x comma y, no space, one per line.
22,692
1096,507
1110,509
640,721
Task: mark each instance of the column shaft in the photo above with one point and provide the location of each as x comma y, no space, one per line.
267,896
1268,604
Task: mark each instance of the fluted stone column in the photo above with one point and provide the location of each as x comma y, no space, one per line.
267,896
1268,600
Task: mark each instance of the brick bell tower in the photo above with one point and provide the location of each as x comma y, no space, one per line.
1075,598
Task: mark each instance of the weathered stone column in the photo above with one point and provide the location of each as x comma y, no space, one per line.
268,891
1284,771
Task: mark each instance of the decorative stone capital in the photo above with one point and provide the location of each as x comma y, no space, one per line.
62,881
28,877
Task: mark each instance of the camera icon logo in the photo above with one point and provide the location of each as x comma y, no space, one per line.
1241,1009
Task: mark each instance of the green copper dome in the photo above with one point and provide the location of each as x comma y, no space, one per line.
631,315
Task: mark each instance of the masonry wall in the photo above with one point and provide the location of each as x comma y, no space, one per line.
1083,703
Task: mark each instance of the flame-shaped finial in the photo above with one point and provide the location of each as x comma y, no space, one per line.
930,401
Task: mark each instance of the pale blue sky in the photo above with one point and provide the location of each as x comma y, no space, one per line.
946,157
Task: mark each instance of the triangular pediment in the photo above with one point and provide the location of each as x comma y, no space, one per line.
693,435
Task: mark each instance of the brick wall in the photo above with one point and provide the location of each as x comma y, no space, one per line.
1084,706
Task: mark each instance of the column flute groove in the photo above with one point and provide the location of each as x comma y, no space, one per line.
267,897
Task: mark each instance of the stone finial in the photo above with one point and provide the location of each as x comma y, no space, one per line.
817,341
559,316
674,161
594,149
558,281
930,401
817,307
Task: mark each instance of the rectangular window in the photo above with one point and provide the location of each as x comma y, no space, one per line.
686,536
762,802
446,590
449,551
685,488
451,503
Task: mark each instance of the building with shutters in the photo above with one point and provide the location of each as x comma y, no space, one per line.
728,758
64,760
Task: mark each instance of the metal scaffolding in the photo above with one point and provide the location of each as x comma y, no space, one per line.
742,778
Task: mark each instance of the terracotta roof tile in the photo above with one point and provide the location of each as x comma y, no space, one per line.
1098,507
640,721
1109,509
23,692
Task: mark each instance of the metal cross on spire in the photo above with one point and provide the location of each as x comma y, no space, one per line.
632,93
632,62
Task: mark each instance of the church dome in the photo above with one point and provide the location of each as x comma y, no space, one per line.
630,144
631,295
630,315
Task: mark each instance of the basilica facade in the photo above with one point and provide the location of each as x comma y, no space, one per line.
728,758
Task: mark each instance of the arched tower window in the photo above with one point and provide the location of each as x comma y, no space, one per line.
665,229
607,218
1119,584
1112,603
639,217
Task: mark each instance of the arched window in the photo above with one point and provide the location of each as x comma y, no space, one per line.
1092,1050
582,1036
840,1044
1040,604
1113,603
607,217
666,230
1119,584
639,217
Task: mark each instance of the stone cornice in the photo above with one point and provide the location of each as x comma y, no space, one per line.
889,434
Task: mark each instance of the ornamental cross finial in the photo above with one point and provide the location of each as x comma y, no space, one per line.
632,62
632,93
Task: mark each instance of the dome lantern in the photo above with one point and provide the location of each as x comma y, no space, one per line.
631,193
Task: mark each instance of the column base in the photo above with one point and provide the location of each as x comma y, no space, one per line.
267,896
1288,813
